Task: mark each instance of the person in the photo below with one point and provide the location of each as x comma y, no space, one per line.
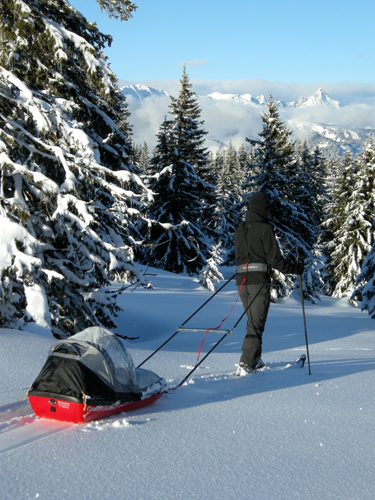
256,253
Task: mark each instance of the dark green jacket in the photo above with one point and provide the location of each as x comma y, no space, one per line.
255,241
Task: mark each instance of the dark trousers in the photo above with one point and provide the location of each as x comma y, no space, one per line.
256,320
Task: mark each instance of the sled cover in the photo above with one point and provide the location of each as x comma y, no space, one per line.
95,363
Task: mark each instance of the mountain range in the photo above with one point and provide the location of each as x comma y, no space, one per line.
331,138
320,98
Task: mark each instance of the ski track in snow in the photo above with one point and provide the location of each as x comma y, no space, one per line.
19,426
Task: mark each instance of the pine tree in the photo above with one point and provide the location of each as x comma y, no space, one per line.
312,196
279,175
177,239
227,215
144,158
187,126
67,188
365,291
210,272
122,9
352,224
341,180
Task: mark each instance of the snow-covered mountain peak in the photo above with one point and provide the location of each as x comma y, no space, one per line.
319,98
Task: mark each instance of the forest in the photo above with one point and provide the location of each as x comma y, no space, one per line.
80,202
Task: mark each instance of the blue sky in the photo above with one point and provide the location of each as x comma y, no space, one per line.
288,41
289,48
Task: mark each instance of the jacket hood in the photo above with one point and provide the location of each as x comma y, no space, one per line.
260,205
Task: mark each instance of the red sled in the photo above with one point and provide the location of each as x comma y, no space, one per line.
91,376
76,411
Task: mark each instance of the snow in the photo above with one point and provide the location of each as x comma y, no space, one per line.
37,305
277,434
10,233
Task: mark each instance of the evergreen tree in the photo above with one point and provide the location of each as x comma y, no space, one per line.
144,158
67,188
341,180
365,291
352,224
210,272
189,137
177,239
337,194
311,182
122,9
187,126
319,184
279,175
227,215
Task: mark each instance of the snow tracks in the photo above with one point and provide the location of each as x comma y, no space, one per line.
19,426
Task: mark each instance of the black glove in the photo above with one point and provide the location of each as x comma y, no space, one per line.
298,267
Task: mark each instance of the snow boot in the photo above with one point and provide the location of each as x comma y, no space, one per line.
261,364
244,369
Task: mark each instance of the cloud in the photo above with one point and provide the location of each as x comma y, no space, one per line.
229,121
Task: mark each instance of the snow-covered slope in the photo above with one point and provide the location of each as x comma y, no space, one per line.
331,139
277,434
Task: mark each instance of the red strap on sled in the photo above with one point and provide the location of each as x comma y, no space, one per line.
208,329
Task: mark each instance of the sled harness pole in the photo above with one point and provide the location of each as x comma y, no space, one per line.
227,332
304,317
180,327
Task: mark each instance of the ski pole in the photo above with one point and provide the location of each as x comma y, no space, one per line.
304,317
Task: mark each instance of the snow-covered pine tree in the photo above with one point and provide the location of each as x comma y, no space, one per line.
227,216
122,9
188,124
190,136
143,158
312,182
210,272
355,237
178,241
319,183
338,193
310,188
365,291
67,189
341,180
278,173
